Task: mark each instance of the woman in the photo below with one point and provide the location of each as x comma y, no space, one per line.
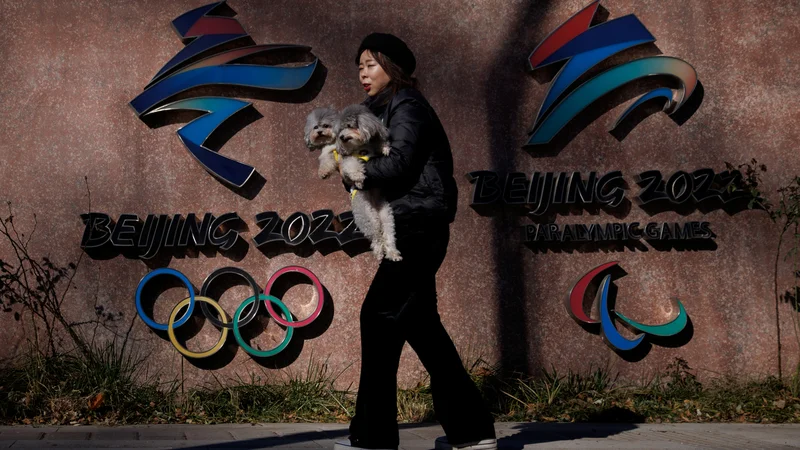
417,178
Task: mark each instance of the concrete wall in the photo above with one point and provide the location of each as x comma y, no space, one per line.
70,68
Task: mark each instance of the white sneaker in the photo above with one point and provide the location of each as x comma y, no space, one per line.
485,444
347,445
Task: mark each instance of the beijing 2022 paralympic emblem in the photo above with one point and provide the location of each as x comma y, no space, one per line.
217,53
580,46
603,303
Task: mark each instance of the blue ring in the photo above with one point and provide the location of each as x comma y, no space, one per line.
164,271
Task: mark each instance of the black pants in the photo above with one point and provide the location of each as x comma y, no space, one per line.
401,306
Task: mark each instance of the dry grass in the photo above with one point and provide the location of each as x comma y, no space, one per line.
108,388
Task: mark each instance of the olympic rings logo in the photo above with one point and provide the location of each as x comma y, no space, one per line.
245,313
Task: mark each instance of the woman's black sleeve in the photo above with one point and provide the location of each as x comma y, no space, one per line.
403,166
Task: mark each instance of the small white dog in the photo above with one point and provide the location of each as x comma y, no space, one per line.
360,136
320,135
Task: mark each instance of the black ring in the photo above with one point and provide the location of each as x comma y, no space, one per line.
249,314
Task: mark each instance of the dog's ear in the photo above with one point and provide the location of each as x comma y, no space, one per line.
370,126
383,132
338,120
339,149
308,128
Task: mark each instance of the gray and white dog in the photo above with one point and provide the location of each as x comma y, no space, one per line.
320,135
360,136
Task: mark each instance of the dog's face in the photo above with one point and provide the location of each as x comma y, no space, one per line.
319,130
357,126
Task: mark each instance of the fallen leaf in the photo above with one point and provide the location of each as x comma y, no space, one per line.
97,401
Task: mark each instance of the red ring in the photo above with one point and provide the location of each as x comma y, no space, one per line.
320,296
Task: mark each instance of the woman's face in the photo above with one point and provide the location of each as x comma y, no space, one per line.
371,74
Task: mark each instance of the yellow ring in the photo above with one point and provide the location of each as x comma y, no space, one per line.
171,330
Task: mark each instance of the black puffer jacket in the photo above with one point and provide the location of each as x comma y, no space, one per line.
417,175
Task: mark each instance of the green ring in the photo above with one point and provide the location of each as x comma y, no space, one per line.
262,353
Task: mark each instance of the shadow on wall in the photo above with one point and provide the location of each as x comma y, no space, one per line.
503,106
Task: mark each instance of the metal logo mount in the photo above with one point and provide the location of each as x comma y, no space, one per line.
218,52
606,313
581,46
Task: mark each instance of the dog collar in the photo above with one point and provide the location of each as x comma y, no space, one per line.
361,157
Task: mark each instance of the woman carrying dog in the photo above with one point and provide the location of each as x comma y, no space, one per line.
400,306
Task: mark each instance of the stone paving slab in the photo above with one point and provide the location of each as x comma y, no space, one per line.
7,433
218,434
69,434
241,435
113,434
512,436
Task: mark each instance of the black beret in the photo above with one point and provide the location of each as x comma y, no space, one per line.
391,46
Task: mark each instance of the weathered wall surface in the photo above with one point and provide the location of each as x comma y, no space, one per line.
70,68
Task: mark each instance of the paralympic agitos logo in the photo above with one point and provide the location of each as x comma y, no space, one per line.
581,47
218,53
604,304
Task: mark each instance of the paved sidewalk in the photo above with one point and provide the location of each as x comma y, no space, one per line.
513,436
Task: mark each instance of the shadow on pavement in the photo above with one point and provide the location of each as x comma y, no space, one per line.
537,433
300,440
514,438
